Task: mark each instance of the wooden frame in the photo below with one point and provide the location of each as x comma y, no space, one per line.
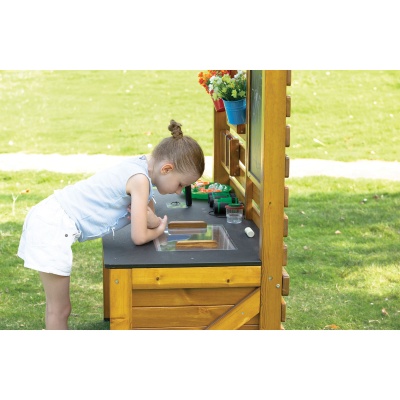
266,198
224,297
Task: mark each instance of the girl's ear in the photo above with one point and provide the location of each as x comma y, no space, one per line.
166,168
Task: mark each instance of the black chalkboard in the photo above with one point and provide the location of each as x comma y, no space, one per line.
255,123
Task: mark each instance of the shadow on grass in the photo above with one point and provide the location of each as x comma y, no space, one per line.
343,256
94,326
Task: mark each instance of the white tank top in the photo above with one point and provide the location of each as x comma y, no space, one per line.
99,204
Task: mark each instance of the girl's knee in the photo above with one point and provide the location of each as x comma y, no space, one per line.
61,310
57,316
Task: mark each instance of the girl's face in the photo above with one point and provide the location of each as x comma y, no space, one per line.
168,181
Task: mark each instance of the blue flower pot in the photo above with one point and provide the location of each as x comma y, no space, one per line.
236,111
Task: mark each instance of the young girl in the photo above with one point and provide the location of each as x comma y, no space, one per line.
93,207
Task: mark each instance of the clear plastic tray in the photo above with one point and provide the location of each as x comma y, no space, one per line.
167,241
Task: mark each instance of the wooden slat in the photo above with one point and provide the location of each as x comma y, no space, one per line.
237,185
284,256
171,328
225,168
248,327
287,166
287,136
256,216
288,106
283,310
222,155
196,244
256,195
288,78
256,208
187,224
230,153
236,182
254,181
241,136
241,181
271,235
248,208
240,129
179,317
242,144
242,166
285,282
285,225
240,313
189,297
220,124
162,317
242,152
286,197
254,320
251,325
257,220
120,298
195,277
234,169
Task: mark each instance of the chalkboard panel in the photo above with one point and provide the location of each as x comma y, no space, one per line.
255,123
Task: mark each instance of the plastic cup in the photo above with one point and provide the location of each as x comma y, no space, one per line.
234,213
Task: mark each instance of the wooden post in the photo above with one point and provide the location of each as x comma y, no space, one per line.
219,174
272,198
121,298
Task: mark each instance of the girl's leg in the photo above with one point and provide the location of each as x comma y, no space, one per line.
58,304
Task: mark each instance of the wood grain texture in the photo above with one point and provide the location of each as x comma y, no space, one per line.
189,297
195,277
193,317
272,208
196,244
120,281
238,315
187,224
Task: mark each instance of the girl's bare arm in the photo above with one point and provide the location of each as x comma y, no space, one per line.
138,187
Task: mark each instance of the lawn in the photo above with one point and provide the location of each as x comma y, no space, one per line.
343,234
336,115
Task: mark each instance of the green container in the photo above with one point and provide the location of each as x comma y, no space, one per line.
200,195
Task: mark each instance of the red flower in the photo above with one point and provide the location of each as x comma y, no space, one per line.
205,76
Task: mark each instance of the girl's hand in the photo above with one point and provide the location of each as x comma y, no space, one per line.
152,220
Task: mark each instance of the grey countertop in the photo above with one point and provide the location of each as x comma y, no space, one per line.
120,252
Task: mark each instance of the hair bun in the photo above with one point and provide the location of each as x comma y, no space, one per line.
175,129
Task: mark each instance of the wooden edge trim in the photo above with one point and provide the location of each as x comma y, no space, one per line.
187,224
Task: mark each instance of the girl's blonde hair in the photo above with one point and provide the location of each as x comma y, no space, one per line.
183,151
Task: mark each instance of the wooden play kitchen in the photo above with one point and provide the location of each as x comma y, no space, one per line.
208,273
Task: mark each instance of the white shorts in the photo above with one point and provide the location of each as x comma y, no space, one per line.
47,236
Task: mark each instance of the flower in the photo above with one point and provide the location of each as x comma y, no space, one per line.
227,87
205,77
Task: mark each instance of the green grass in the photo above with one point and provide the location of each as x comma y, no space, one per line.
343,251
22,301
343,279
99,112
354,114
343,254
